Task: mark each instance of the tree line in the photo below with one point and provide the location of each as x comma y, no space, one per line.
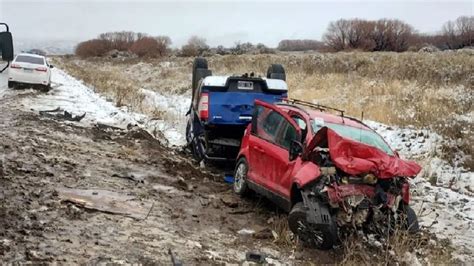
341,35
125,41
395,35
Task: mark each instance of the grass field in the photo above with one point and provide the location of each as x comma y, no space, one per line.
424,90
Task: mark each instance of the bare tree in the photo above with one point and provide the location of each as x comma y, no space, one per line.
336,36
400,35
394,35
164,40
194,47
221,50
121,40
465,30
359,34
199,42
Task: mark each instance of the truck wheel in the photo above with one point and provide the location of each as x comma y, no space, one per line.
45,88
240,177
11,85
199,74
276,71
321,237
198,149
199,62
188,133
200,70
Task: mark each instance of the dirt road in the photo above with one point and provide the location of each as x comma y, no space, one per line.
187,210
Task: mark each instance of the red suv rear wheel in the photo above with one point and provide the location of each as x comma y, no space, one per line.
240,177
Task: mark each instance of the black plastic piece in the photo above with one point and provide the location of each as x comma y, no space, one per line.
317,213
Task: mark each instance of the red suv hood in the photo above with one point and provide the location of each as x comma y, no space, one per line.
355,158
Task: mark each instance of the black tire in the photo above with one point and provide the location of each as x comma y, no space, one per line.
320,237
276,71
200,70
198,149
199,74
188,133
46,88
240,185
200,62
11,84
411,222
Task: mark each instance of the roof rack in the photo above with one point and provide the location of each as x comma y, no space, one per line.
313,105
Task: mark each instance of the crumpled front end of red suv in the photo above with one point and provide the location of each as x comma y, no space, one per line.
361,182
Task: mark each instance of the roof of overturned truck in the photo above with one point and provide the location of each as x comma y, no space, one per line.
221,81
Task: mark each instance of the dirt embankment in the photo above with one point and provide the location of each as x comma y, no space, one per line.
187,210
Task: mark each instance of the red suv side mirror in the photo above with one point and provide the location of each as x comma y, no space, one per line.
296,149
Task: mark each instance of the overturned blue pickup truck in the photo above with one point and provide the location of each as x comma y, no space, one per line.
222,107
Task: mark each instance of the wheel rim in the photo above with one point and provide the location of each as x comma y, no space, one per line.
309,233
239,178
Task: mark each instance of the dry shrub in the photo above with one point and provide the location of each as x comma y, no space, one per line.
91,48
148,47
282,232
138,43
401,248
300,45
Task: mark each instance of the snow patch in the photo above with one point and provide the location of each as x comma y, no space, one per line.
73,96
442,195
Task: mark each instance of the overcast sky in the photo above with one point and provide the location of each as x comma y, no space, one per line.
220,22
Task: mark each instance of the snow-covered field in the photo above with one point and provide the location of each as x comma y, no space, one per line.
445,205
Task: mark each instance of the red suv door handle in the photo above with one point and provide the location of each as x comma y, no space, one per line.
259,149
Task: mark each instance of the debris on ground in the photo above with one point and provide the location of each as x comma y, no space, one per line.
103,126
174,260
230,201
132,177
60,114
106,201
257,257
246,232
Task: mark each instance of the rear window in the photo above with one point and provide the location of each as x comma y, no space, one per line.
30,59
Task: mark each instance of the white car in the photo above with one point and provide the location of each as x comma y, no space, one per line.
30,69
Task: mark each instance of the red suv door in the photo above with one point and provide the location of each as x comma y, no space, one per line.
272,132
265,125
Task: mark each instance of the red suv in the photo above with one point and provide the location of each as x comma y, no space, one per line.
332,173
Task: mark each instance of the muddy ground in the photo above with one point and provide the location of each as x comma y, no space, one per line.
193,212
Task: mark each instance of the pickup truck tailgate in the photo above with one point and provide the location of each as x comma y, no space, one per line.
236,108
